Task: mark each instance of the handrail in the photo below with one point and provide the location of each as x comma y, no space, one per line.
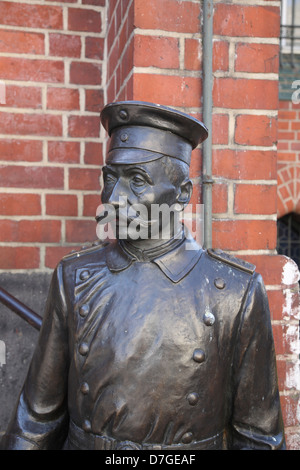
20,309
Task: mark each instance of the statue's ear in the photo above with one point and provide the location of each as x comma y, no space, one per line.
185,194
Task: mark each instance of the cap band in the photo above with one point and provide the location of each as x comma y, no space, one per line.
144,142
130,156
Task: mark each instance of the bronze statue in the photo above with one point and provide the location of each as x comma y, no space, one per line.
150,343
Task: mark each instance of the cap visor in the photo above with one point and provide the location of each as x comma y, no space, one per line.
129,156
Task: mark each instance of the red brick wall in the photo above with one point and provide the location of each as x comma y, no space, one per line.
288,157
120,37
249,96
51,64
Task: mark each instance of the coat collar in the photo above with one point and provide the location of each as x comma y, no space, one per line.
175,263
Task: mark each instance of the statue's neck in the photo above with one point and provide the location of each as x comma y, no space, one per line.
152,248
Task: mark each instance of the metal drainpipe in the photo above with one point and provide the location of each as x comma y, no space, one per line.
207,180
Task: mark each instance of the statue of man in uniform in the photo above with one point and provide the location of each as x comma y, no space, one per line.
151,343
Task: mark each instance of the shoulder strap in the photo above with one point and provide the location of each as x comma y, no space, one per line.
86,248
232,260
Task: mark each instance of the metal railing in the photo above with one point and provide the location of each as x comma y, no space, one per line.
288,32
20,309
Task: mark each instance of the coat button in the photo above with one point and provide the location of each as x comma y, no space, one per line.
86,426
124,137
199,355
193,398
123,114
220,283
187,438
83,349
85,388
84,275
84,310
209,318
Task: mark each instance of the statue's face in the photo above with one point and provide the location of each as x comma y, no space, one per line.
136,191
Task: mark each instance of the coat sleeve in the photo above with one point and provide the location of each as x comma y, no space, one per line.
256,413
40,419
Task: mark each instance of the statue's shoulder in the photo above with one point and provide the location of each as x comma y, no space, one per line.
231,261
85,252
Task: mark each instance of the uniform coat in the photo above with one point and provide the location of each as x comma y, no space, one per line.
167,349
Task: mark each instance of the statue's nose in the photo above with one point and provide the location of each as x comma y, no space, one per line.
118,196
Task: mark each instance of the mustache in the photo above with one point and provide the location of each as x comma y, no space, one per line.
126,215
107,214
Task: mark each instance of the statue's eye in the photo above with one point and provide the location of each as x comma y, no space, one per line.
109,178
138,180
